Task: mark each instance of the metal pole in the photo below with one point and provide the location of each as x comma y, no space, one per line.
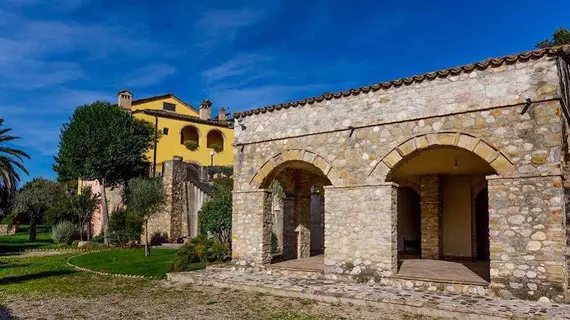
155,146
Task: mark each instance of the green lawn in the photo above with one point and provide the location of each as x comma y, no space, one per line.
128,261
51,276
20,240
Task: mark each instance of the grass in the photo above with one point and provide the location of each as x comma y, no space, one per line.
20,240
128,261
51,276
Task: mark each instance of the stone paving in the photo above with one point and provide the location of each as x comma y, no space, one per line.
463,306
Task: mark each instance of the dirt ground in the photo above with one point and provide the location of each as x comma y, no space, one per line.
164,300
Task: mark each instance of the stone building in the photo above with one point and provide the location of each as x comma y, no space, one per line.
466,165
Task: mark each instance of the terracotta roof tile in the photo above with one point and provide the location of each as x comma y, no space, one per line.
172,115
493,62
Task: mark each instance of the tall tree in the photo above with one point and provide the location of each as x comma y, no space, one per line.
35,197
105,143
11,159
144,198
559,37
83,205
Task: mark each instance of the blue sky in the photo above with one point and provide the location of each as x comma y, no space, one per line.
58,54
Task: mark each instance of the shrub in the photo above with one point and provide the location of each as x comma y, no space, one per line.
64,232
216,214
9,220
274,244
158,238
124,227
191,145
199,250
98,238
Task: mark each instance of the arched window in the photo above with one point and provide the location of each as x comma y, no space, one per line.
215,140
190,133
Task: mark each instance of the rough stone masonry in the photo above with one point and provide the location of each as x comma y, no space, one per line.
356,140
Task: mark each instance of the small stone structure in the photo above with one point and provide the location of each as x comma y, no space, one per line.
484,146
185,194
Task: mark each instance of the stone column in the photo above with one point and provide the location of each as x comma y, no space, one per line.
252,223
431,210
169,219
289,224
303,228
360,230
527,238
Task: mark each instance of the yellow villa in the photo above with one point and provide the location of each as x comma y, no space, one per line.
177,122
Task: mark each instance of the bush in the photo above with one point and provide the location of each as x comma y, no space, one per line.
98,238
216,214
199,250
64,232
9,220
158,238
124,228
191,145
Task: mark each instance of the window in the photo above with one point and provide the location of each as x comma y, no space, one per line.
169,106
165,131
215,140
190,133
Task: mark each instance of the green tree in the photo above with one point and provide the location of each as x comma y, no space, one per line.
216,214
144,198
82,206
35,197
559,37
105,143
11,159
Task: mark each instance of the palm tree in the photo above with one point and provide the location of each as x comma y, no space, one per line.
10,159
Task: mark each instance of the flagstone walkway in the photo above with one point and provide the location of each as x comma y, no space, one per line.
432,304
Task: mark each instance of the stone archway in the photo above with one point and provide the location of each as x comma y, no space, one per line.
494,157
295,155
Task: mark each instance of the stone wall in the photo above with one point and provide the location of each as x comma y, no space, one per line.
527,237
360,230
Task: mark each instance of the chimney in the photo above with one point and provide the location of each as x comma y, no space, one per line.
125,99
222,114
206,110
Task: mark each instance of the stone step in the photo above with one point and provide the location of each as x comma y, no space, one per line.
437,304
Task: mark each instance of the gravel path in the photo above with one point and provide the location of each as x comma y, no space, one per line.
164,300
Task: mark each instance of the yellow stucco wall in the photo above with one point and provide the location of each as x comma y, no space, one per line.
169,145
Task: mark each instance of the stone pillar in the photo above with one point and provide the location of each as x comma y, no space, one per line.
360,230
303,228
169,220
251,227
289,239
527,238
174,175
431,210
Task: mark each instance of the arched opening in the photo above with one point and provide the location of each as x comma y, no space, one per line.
298,218
190,133
447,209
409,223
215,140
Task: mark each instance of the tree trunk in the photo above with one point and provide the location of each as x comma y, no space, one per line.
81,227
89,228
33,223
146,244
104,211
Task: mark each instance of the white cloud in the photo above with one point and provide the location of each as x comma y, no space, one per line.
244,64
150,75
